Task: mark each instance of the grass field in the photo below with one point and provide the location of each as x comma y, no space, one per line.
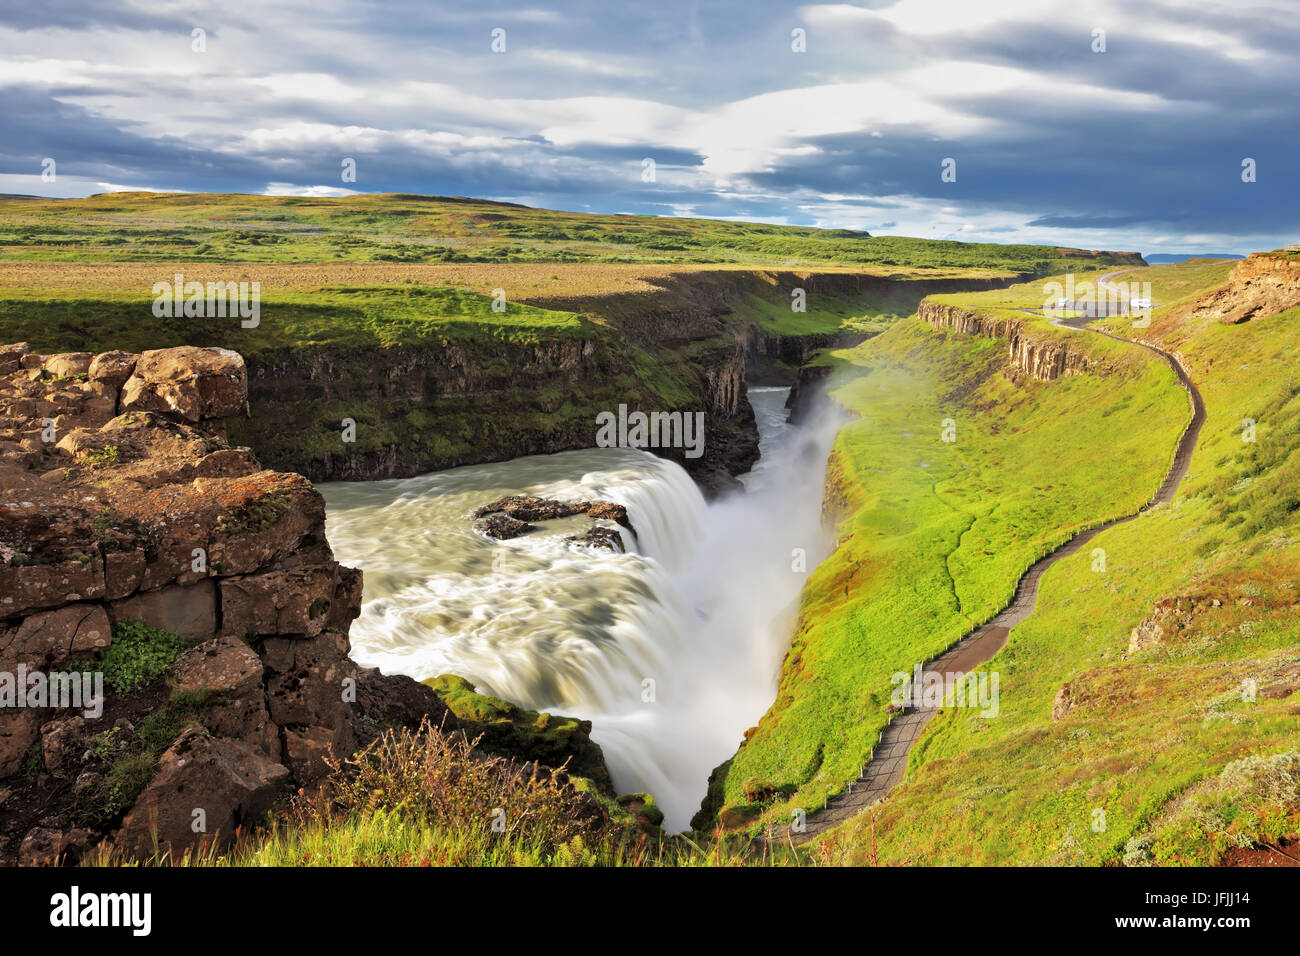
403,270
109,305
121,317
407,228
1169,284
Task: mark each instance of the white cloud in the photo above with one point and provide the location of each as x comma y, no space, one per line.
585,63
68,187
927,17
320,87
298,136
292,189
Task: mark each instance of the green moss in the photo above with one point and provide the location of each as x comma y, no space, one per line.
33,761
256,516
126,778
514,732
644,811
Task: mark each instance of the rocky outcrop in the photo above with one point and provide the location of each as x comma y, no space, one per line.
233,673
1262,284
1062,704
1038,356
511,516
205,788
124,502
1171,619
192,383
51,845
810,382
533,508
509,730
502,527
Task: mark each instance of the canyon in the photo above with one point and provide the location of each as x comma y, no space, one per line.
692,346
1038,356
135,492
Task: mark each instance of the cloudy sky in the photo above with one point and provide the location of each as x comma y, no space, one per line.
1137,147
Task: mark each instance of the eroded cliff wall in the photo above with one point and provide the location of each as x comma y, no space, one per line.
1036,355
1262,284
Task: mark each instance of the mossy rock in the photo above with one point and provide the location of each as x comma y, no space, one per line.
511,731
706,818
643,809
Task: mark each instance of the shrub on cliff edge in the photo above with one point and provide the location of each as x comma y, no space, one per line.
441,779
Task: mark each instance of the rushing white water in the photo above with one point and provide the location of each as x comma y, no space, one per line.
672,649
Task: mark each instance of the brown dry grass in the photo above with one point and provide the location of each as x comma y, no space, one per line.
534,281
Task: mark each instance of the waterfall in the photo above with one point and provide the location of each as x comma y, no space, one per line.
671,649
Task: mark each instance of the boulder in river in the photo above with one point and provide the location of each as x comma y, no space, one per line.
601,538
502,526
533,508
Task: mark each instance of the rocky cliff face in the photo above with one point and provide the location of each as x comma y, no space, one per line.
779,359
429,407
1262,284
123,509
774,358
1038,357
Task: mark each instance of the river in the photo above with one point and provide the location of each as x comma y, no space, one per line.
672,649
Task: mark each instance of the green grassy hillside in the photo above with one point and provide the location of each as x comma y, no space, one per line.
935,534
1178,745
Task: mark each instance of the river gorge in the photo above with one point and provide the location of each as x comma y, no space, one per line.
672,648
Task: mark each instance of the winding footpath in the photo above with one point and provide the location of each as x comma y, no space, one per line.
887,764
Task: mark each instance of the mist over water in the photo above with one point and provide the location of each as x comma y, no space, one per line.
702,605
